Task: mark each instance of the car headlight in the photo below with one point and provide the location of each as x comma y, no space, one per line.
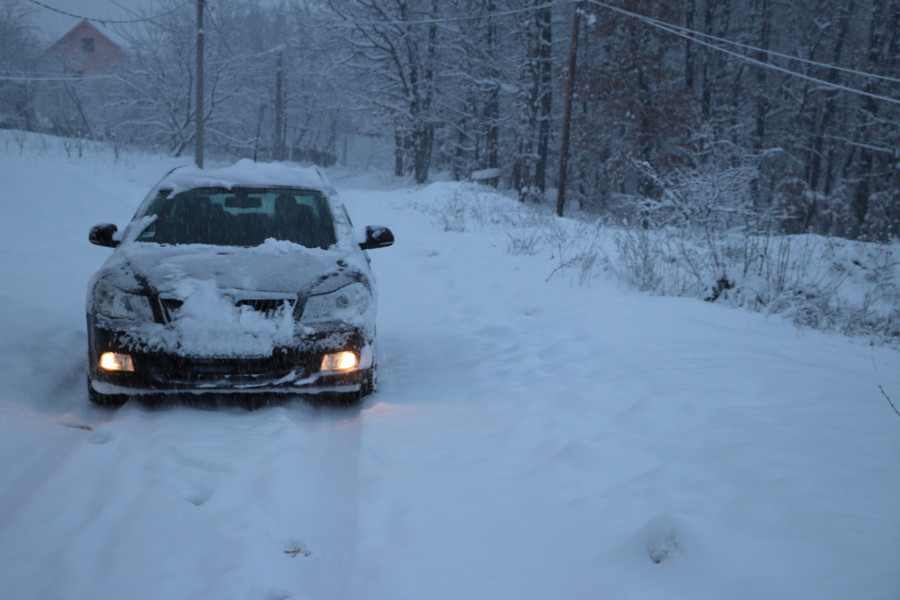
345,304
114,303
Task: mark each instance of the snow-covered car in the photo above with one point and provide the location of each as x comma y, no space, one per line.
242,280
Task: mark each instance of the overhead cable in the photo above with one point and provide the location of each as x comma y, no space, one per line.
110,21
689,35
692,33
435,21
72,78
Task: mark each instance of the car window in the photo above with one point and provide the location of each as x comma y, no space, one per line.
245,216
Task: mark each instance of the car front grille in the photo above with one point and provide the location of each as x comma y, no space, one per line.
267,306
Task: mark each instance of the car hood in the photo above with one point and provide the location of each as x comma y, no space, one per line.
274,267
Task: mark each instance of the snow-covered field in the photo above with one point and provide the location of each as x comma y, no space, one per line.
530,438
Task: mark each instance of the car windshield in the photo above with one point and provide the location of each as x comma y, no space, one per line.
240,216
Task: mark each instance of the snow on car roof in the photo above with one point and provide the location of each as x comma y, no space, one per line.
247,172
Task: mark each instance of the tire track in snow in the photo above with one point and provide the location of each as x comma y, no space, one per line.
184,503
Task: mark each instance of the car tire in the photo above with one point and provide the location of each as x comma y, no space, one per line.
371,384
108,400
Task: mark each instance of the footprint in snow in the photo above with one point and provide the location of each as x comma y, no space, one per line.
196,494
199,496
662,537
73,425
294,548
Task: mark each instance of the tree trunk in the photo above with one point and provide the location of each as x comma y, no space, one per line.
817,178
423,134
688,45
492,101
423,141
398,154
545,54
570,88
762,104
706,92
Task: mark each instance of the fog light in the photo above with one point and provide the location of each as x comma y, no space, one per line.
340,361
111,361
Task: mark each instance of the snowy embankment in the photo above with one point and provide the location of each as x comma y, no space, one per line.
530,438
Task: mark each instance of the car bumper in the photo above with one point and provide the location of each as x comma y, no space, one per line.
288,370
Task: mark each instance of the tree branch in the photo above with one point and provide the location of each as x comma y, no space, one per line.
889,400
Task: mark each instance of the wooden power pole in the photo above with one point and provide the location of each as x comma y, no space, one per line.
198,133
567,114
279,109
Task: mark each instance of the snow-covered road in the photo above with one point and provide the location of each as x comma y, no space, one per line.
530,438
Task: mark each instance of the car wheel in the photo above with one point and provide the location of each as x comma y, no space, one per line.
109,400
371,384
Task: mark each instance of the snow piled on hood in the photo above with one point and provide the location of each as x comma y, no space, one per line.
274,266
209,324
273,246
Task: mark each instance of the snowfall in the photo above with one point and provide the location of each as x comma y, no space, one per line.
530,437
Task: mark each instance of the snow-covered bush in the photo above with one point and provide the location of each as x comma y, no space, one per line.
714,251
818,282
705,236
572,245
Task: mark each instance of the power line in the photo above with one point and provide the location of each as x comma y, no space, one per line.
683,32
680,32
110,21
434,21
796,58
74,78
694,32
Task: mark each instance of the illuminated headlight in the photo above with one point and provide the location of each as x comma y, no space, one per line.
114,303
345,304
340,361
112,361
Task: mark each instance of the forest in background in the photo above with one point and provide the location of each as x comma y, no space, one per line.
757,115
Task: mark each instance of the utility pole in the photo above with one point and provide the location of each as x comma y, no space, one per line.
279,109
198,119
567,114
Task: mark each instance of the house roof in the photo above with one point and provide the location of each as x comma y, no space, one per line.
88,27
111,34
103,56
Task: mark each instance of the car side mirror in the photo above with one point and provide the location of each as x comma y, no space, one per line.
102,235
377,237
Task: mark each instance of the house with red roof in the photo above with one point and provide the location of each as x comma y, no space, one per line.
79,68
86,50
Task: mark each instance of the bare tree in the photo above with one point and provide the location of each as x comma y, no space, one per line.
395,57
19,52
